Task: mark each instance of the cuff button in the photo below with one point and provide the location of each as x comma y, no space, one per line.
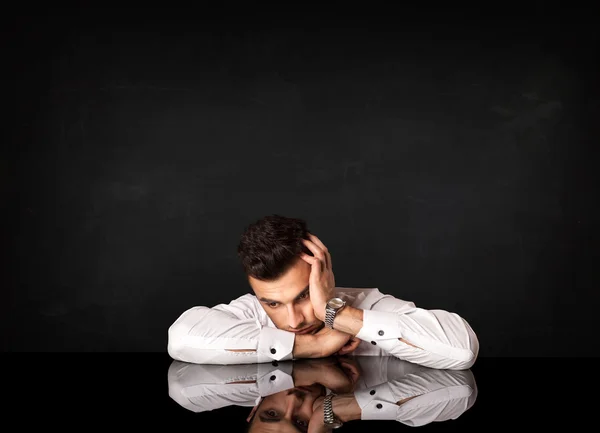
380,332
273,350
379,406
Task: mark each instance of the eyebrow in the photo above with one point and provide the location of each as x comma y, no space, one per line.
297,296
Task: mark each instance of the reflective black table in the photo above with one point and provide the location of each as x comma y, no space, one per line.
118,390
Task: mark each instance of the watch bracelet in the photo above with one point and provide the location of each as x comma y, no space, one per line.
328,409
329,317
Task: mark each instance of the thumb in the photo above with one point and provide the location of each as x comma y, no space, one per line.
350,346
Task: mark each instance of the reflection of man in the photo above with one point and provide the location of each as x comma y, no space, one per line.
296,311
290,396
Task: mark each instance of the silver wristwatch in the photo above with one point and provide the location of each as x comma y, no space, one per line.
329,419
334,305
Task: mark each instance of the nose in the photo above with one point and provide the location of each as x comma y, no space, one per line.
296,318
291,405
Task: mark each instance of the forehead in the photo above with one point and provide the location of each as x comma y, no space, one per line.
285,288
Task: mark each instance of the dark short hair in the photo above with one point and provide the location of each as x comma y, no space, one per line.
270,246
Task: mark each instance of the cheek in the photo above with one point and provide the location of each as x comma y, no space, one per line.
308,312
307,408
278,316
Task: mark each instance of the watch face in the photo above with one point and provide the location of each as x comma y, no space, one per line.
334,424
336,303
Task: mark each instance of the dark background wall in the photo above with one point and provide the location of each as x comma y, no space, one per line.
443,157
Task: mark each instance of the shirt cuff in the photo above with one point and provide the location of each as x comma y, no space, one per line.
379,325
276,343
274,378
377,402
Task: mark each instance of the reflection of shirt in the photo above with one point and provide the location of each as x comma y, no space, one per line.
206,335
440,394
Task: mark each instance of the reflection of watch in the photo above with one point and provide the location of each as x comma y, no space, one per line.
334,305
329,418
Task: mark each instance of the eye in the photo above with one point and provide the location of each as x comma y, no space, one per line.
303,295
272,304
272,413
303,424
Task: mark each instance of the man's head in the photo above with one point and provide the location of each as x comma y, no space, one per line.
286,411
269,251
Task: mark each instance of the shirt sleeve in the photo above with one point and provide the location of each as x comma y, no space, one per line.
432,395
202,387
203,335
444,340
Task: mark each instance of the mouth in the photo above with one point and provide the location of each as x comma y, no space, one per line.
304,389
305,330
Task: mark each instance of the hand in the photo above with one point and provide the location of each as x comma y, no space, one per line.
330,342
321,280
349,347
339,374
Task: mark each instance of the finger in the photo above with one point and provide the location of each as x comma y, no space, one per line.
316,250
351,347
346,351
308,259
321,245
348,347
316,267
311,261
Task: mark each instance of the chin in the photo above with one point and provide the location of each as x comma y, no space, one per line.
318,328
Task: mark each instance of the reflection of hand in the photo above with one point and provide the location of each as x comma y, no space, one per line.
345,408
352,369
339,374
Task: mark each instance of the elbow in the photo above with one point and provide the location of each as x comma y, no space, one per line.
173,345
461,360
473,352
176,335
466,350
178,332
469,361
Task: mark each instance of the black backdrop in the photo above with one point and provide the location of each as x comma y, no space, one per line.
445,158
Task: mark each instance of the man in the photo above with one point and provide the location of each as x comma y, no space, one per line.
296,311
292,396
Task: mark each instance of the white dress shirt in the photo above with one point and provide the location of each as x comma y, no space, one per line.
438,395
204,335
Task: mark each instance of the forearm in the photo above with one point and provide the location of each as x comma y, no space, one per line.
433,338
305,346
208,336
349,320
346,407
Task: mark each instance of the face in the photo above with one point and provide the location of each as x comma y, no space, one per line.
287,300
287,411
